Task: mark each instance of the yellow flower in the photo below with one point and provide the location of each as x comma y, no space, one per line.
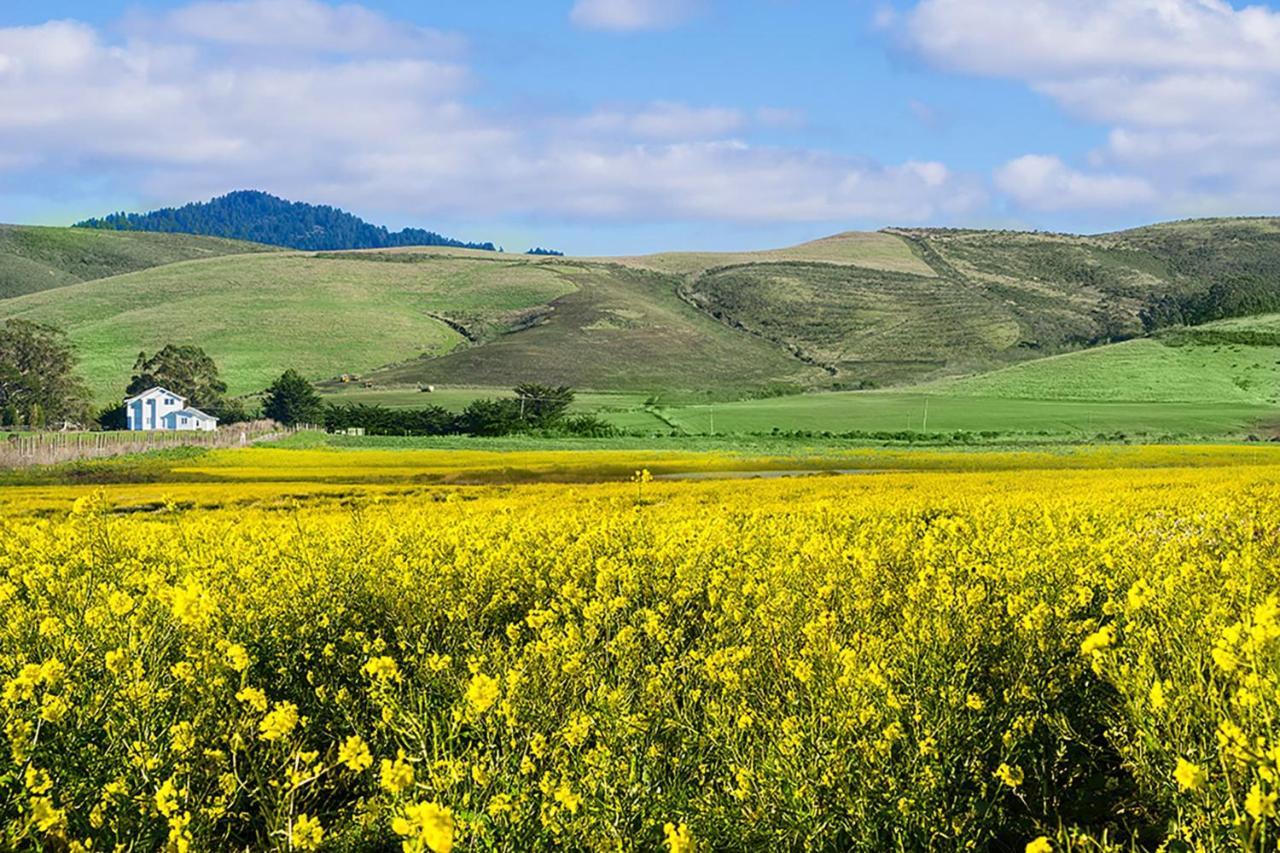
1139,594
53,708
482,692
974,702
500,804
425,826
307,832
37,781
354,753
1103,638
1040,845
45,817
567,798
166,798
1156,696
253,697
183,737
237,657
120,602
280,722
1011,775
1189,776
1260,805
578,728
679,839
1224,658
116,659
382,669
396,775
52,672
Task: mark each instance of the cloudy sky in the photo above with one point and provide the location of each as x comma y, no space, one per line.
611,126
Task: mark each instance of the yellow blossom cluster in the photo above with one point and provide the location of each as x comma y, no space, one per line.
1085,659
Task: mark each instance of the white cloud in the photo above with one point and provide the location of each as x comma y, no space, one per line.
302,24
1046,38
178,112
628,15
1044,182
667,120
1190,90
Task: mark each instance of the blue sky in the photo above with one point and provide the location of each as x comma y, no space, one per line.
618,126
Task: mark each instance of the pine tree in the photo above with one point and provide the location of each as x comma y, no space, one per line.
292,400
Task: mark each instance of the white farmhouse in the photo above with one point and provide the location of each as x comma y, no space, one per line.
161,409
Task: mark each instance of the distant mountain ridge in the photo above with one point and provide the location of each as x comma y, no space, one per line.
260,217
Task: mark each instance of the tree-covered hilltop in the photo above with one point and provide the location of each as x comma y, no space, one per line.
263,218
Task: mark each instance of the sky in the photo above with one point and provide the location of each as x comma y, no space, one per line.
628,126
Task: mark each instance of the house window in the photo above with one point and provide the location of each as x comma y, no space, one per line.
168,401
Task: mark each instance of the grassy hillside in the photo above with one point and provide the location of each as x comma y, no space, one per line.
1221,378
618,328
258,314
862,327
1235,360
903,306
891,309
34,259
874,250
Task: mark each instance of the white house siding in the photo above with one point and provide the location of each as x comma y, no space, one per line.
189,419
159,408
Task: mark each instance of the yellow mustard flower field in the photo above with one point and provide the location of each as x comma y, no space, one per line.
1036,657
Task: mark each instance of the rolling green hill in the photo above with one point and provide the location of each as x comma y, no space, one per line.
962,315
618,328
1220,378
257,314
1179,368
34,259
993,298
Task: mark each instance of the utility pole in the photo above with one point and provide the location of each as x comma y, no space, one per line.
924,424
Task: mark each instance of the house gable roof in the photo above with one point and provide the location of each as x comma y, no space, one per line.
151,391
191,411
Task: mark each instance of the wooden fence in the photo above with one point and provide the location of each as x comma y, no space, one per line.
44,448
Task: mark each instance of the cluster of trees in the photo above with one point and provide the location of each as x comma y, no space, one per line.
39,386
535,408
1240,295
291,399
538,250
184,370
264,218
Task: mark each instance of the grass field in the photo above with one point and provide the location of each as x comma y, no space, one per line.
1189,393
308,649
33,259
1147,370
892,411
